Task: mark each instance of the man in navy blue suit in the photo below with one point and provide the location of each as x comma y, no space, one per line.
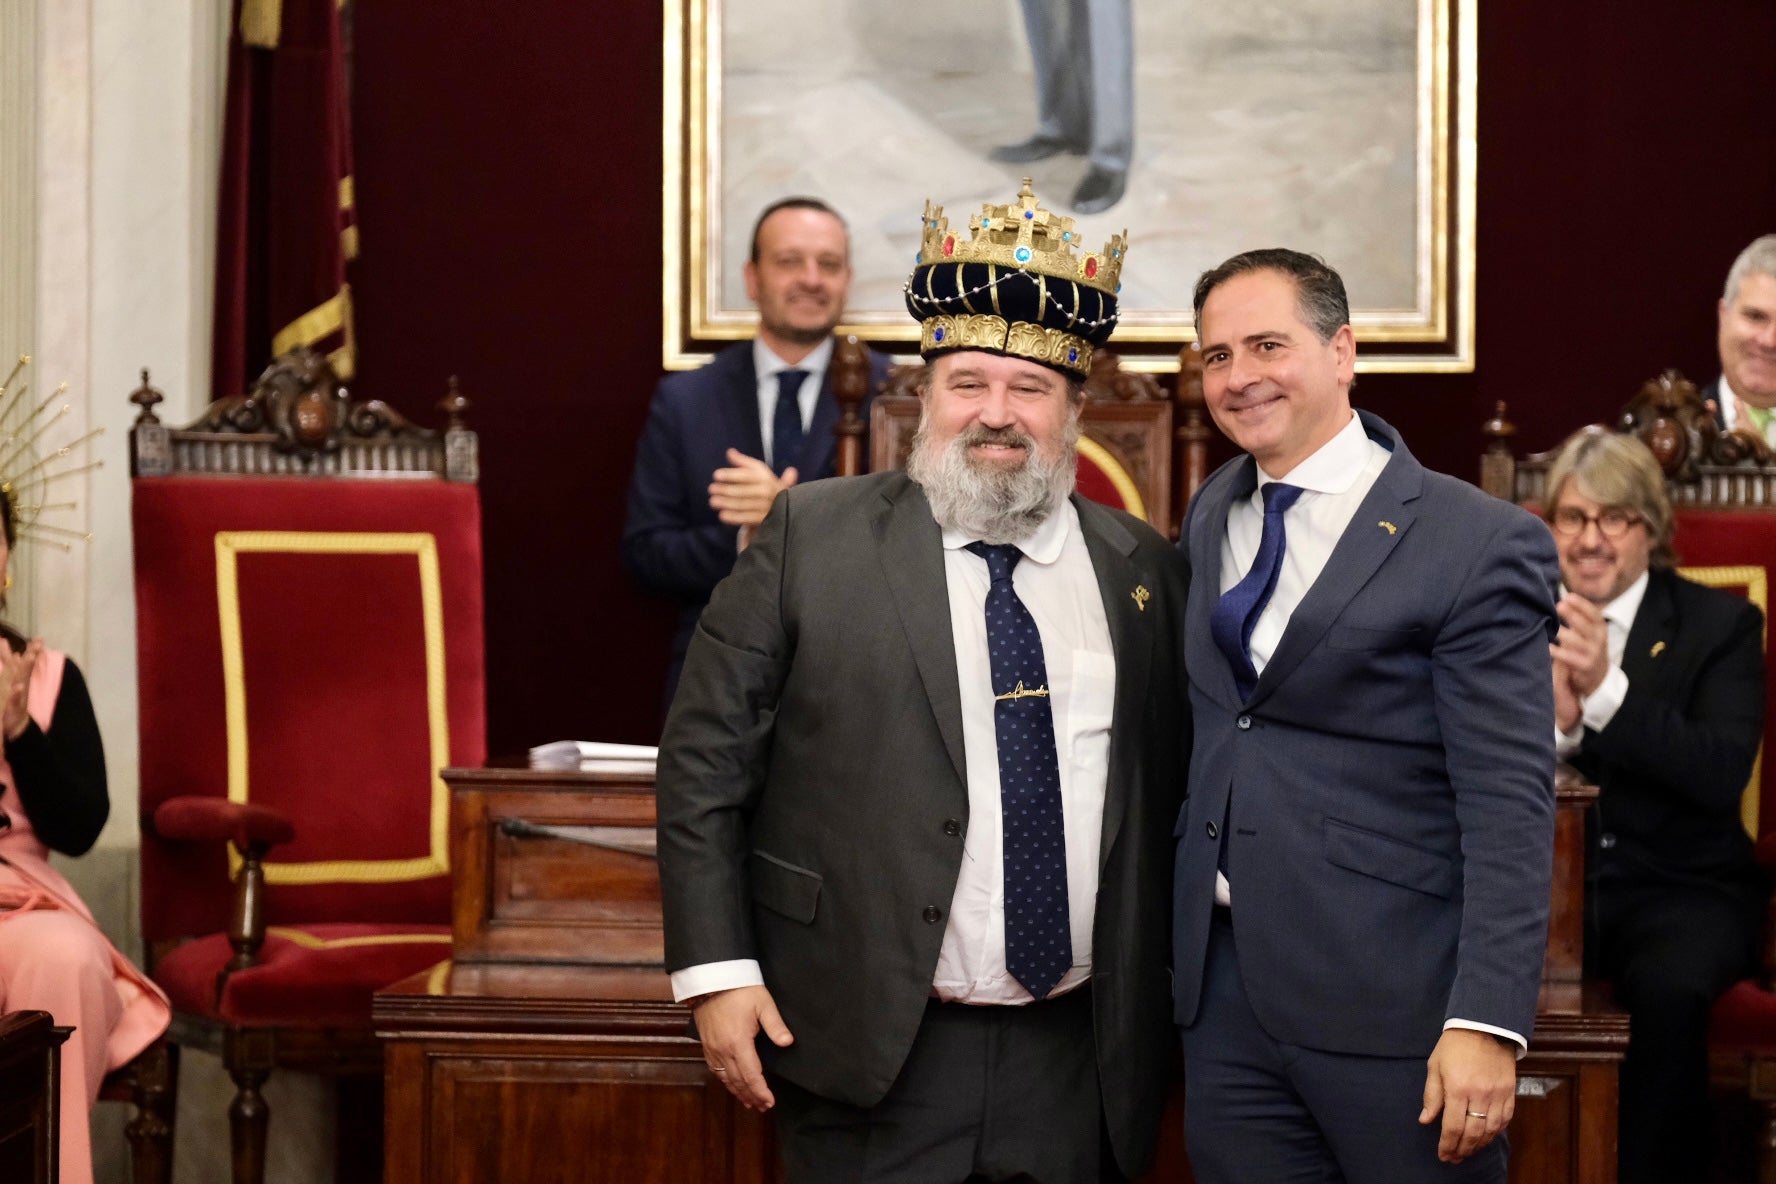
1363,862
721,442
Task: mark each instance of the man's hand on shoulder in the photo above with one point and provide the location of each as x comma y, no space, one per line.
728,1022
1471,1079
741,495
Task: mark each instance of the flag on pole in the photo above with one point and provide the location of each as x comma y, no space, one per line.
287,225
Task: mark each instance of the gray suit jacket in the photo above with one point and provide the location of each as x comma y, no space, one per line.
812,773
1391,777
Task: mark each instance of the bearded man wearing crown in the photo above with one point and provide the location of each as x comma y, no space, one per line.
917,787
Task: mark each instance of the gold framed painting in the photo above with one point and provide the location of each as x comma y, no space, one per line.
1340,127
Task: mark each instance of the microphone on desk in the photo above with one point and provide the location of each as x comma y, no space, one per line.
630,840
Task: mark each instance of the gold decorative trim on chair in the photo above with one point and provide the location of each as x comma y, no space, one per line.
424,548
1112,468
309,941
1757,590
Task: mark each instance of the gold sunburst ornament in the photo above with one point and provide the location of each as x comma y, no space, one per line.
28,477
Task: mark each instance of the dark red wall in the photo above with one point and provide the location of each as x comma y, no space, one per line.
508,164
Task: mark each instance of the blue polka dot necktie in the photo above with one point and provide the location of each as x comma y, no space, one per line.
1038,932
1238,610
786,422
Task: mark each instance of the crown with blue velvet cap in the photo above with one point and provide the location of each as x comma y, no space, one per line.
1018,285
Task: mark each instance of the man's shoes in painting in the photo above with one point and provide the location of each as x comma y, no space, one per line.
1038,147
1099,190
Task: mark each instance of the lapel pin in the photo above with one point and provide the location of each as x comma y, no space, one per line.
1658,648
1388,526
1141,596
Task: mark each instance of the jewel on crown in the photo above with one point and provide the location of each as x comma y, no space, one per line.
1025,236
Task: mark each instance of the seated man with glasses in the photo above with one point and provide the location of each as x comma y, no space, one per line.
1659,701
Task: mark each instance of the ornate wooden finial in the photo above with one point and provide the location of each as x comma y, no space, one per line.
1191,427
145,397
1498,427
1671,418
455,405
1498,468
850,384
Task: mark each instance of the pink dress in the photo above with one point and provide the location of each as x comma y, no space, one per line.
54,958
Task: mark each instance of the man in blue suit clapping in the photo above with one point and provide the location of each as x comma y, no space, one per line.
721,442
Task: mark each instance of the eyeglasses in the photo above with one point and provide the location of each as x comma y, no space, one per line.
1612,523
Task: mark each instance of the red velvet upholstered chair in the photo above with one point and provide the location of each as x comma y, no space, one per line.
1723,490
1125,444
309,624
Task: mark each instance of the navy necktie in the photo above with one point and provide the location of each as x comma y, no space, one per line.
1038,931
1239,608
786,423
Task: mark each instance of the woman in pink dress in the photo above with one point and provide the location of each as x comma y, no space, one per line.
52,955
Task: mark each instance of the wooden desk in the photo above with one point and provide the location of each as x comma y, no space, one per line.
571,1074
30,1077
501,1069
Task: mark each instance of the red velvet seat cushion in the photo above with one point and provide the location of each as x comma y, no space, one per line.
309,976
1744,1019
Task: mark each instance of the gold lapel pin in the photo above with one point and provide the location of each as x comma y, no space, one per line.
1141,596
1388,526
1658,648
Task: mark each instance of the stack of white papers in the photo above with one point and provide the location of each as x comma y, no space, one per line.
595,755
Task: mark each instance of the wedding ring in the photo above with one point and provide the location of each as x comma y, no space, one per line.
1471,1113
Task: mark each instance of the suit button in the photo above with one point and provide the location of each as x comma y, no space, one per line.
952,827
1243,723
1214,831
933,914
1607,842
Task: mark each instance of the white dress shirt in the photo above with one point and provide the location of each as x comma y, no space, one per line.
1058,585
1601,705
1056,582
767,366
1337,478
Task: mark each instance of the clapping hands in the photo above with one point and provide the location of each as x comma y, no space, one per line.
1581,657
15,687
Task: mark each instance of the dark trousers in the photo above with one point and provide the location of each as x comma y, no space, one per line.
1671,951
1256,1109
999,1094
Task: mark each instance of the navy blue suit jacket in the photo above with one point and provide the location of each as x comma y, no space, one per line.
1388,785
674,545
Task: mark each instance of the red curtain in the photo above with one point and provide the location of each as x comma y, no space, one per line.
287,226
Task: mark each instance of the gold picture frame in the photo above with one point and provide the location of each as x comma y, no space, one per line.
1370,162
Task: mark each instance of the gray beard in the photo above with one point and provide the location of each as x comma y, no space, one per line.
985,502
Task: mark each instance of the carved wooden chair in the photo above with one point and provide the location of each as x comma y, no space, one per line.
309,629
1722,487
1130,454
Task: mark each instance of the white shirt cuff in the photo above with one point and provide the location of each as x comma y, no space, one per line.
1568,743
1602,704
711,977
1503,1033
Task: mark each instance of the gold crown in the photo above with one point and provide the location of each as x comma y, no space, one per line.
1026,237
